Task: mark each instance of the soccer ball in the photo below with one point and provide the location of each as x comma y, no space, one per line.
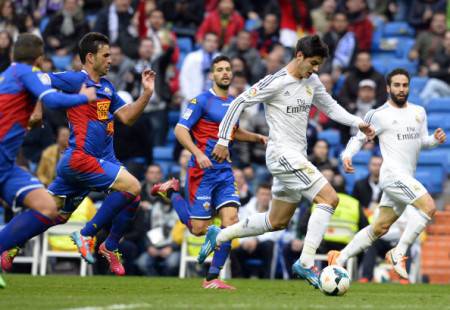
334,280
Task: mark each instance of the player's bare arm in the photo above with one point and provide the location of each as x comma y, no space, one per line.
247,136
36,116
131,112
184,137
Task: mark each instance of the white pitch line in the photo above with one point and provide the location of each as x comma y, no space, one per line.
113,307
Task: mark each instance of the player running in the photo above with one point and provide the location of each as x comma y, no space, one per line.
288,96
210,185
21,86
89,162
402,130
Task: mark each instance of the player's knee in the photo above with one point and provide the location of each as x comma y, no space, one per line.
429,207
46,206
380,229
279,224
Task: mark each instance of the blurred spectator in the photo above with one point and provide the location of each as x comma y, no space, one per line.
366,98
238,86
322,17
156,219
37,139
422,11
194,72
156,111
241,47
121,70
115,21
161,36
5,50
47,65
295,21
265,37
133,145
245,193
346,221
363,70
183,161
223,21
259,248
185,16
65,29
46,170
430,41
238,64
9,20
274,62
439,72
30,26
367,190
360,24
48,8
320,157
342,46
76,63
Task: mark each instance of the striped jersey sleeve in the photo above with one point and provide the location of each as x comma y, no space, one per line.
261,92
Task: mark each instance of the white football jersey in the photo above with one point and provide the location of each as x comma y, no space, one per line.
287,101
402,133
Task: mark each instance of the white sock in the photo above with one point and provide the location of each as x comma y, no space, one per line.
254,225
416,224
361,241
317,225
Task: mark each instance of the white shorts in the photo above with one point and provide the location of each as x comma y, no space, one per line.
404,191
295,177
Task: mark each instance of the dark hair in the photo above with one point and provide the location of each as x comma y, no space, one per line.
311,46
219,59
91,43
28,48
240,74
396,71
264,186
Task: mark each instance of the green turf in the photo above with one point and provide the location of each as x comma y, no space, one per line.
113,293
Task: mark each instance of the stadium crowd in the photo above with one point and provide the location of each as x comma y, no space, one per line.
178,40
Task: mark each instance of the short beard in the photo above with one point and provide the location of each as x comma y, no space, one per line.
399,102
223,86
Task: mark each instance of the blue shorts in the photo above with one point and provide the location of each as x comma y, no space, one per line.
16,185
209,190
79,173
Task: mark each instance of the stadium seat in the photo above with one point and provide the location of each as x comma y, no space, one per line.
362,157
435,120
424,177
31,256
439,105
174,116
170,136
65,229
185,45
43,23
163,153
404,45
398,29
62,62
333,137
416,86
432,162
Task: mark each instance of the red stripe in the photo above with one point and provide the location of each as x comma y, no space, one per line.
203,131
14,108
84,163
42,218
195,177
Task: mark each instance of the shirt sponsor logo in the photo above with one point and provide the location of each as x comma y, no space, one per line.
44,78
103,109
301,107
187,113
203,198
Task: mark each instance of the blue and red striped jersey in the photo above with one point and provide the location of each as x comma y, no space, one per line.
21,86
202,118
91,125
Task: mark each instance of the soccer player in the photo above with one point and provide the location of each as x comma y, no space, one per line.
402,130
21,86
210,186
288,96
89,162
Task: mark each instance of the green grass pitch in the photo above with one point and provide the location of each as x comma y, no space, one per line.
112,293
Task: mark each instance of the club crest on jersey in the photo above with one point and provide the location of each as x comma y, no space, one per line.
206,205
108,91
103,109
44,78
193,101
309,90
252,92
418,118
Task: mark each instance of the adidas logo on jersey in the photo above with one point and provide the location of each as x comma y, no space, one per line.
286,93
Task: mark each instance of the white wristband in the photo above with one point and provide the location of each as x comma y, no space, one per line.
223,142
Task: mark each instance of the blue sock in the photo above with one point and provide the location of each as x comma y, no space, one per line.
121,223
219,258
182,208
113,204
22,228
